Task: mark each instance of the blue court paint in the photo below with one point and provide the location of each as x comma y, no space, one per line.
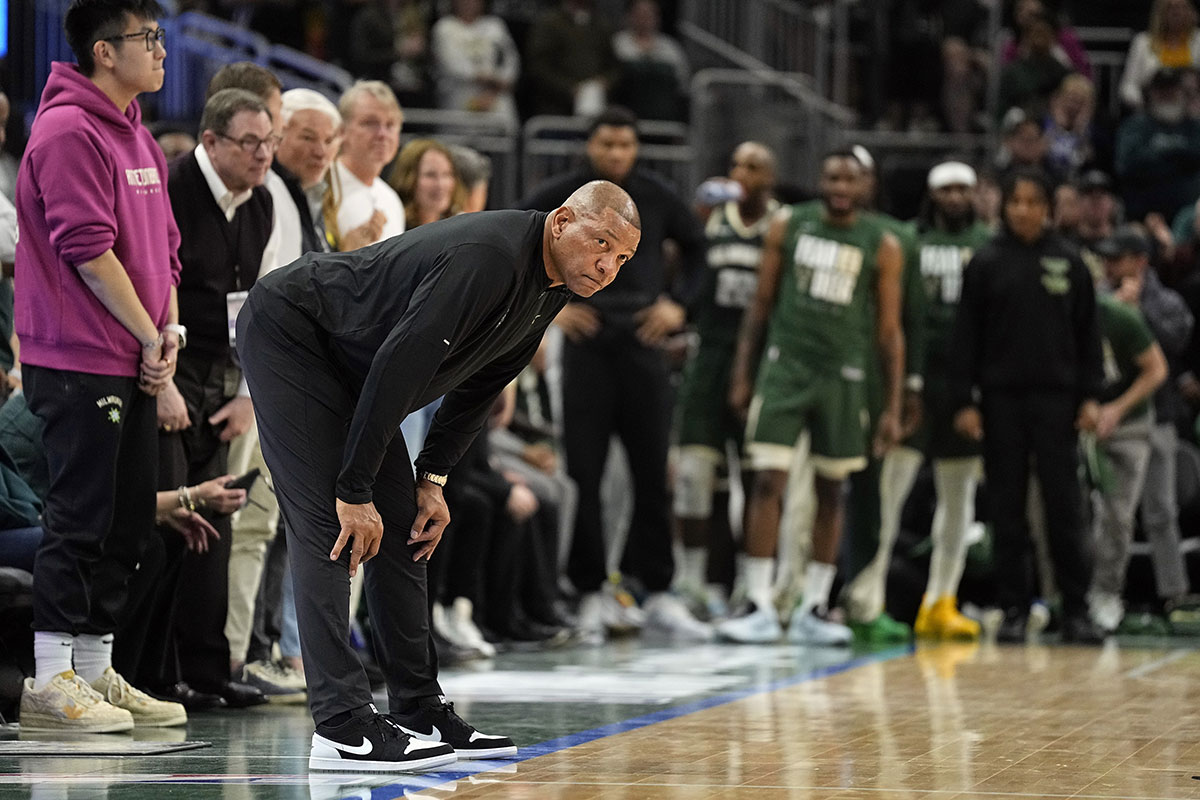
3,28
396,790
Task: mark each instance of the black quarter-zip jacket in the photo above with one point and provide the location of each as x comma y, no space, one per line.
455,308
1026,321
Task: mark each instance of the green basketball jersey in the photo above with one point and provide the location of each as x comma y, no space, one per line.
1124,335
943,258
912,297
825,311
729,283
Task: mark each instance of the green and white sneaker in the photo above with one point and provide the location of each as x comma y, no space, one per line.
881,630
67,703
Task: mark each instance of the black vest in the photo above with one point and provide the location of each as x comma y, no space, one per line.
312,232
218,256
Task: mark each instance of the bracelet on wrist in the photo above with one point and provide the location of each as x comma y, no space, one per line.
157,341
180,331
432,477
185,499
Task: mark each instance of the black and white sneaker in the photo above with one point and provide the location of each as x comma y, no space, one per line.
371,742
434,720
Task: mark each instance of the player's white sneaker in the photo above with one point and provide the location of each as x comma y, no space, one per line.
758,626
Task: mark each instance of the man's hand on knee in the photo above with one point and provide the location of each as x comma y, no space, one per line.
432,518
363,523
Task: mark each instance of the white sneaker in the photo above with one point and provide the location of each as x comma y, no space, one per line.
590,625
759,626
624,615
278,680
1039,618
665,612
440,619
1107,610
810,629
460,619
67,703
716,599
691,596
147,711
609,611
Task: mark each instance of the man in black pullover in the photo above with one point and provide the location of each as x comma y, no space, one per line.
616,380
337,348
1027,339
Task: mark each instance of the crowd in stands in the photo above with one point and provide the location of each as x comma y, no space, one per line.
554,542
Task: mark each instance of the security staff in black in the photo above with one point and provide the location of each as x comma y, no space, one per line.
338,348
616,379
1027,339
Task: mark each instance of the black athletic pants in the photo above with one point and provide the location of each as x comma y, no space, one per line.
202,590
103,456
1041,425
304,407
614,384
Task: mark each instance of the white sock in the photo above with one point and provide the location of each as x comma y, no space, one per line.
955,481
693,566
818,582
759,576
93,655
51,655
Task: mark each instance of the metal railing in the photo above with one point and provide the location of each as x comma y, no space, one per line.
1107,49
774,34
730,106
551,146
197,46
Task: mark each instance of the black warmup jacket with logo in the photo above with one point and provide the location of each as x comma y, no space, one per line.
455,308
1026,322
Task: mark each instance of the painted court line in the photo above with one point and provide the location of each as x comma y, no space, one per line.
1156,664
432,780
634,723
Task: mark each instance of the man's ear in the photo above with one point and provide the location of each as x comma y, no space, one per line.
102,53
561,218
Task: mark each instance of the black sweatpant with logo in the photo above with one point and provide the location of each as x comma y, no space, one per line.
102,450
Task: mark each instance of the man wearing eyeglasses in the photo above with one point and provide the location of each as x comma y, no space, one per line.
97,317
227,238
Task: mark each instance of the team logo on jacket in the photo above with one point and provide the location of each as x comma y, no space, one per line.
1055,278
113,405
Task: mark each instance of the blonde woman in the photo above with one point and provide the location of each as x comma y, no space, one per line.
1171,40
427,182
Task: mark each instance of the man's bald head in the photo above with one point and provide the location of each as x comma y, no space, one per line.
594,197
590,237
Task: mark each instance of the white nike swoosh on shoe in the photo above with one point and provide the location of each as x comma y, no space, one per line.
359,750
476,736
433,736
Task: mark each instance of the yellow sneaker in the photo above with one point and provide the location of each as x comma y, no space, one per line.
923,627
949,623
67,703
147,712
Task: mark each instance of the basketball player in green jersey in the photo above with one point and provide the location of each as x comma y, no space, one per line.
948,235
828,295
704,420
863,595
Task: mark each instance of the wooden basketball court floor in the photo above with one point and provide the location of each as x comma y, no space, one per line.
645,721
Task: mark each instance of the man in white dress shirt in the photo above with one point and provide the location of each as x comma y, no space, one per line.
364,209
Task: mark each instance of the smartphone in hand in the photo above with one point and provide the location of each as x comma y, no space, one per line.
245,481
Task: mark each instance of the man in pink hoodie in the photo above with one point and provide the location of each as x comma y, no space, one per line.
96,314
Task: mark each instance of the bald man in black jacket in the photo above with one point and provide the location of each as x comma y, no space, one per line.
338,348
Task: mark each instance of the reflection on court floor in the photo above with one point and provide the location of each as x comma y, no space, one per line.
640,722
